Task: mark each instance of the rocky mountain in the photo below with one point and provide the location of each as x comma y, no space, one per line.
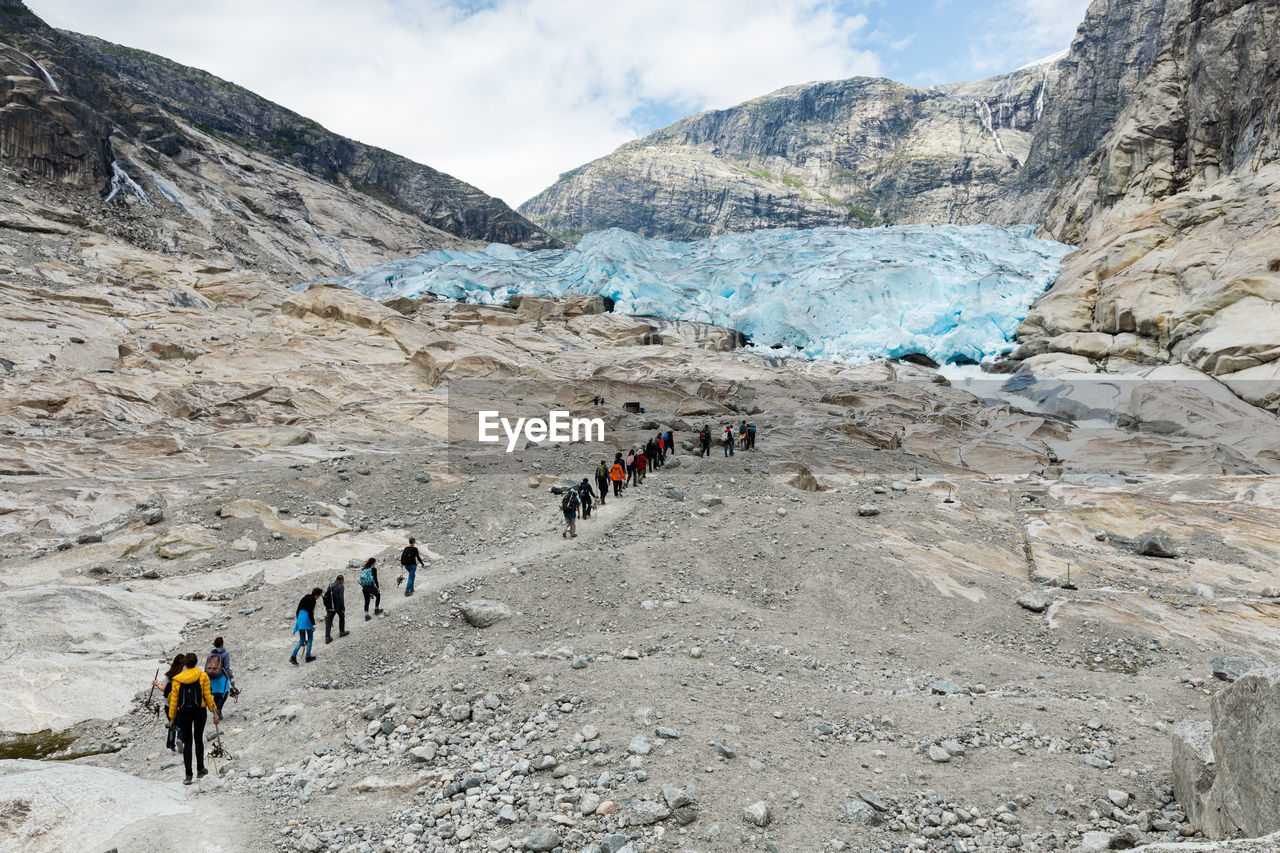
101,139
867,152
850,152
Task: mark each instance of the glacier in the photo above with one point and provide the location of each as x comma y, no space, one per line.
953,293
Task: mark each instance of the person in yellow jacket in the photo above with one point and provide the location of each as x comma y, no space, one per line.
190,700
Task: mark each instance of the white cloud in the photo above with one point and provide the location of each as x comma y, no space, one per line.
505,97
1025,29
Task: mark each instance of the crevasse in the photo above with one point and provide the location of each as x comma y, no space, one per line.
953,293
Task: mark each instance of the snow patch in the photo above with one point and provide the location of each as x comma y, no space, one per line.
953,293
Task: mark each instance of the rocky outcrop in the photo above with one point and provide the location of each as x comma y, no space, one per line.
1176,212
851,152
1224,773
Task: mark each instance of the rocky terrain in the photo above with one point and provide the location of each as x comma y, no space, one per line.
916,618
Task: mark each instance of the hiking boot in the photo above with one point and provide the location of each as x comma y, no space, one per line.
564,534
328,640
188,780
377,611
310,658
367,617
343,633
201,773
294,660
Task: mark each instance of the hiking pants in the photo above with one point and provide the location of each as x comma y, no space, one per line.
306,637
220,699
372,593
411,570
328,622
602,486
586,509
617,488
191,725
572,521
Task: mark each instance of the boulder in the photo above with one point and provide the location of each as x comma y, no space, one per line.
757,814
1225,775
483,612
1035,601
1231,667
1156,543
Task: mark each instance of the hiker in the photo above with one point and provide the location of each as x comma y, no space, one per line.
669,445
171,730
727,440
642,462
704,441
218,667
304,624
410,559
179,664
602,481
569,504
742,436
189,703
751,436
617,474
335,604
586,496
369,586
631,466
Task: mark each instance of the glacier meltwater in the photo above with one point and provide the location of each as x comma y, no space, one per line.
953,293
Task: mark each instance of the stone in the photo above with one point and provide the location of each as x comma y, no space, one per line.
712,500
874,800
640,745
862,813
1156,543
944,687
543,840
508,814
424,753
1119,798
588,804
1095,842
939,754
484,613
646,812
1035,601
674,797
868,510
758,814
1231,667
674,494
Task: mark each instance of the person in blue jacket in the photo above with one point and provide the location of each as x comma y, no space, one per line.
218,667
304,625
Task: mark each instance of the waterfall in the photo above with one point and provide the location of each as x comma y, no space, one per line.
120,180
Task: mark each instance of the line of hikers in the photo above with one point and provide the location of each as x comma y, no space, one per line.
190,693
624,471
334,599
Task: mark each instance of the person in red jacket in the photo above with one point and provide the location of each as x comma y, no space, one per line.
642,462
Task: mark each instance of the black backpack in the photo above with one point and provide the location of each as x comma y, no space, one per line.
569,501
327,598
189,696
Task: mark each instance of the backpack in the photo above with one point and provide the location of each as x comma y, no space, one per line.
189,696
327,599
213,664
366,577
601,473
406,559
569,501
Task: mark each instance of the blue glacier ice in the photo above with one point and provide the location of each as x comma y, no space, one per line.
953,293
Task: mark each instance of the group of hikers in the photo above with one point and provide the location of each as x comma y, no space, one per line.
334,599
190,694
744,438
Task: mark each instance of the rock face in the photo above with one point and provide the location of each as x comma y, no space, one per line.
856,152
1224,772
1176,213
115,141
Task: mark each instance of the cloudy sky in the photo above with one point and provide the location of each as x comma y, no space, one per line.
507,94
